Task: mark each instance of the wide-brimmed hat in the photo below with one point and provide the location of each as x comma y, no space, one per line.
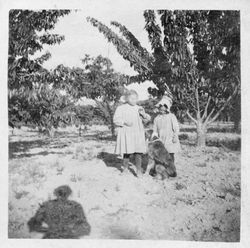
166,100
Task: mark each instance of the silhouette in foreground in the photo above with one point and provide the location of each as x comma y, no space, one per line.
64,219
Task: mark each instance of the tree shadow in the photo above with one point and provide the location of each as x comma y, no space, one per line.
103,136
186,142
188,129
23,147
233,145
29,155
209,130
60,218
112,160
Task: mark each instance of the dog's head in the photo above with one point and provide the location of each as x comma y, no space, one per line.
171,170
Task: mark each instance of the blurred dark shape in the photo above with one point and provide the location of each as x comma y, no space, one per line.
64,219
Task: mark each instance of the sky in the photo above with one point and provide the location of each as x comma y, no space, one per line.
82,38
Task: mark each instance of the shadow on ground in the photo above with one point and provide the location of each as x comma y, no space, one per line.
112,160
62,139
210,129
21,149
230,144
65,219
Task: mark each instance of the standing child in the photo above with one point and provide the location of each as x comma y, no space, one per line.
166,127
130,135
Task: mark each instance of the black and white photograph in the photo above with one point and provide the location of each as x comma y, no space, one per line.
124,123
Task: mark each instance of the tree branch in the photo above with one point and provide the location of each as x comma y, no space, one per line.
191,117
197,102
238,79
209,115
223,107
205,111
193,106
197,98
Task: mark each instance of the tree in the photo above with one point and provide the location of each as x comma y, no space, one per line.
84,114
207,80
195,59
28,33
148,66
105,86
96,80
50,109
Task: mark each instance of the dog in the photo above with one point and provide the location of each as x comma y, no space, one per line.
159,159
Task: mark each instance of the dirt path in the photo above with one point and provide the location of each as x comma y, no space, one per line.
202,203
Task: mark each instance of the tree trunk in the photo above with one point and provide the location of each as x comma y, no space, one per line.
237,126
112,126
80,130
201,134
51,132
111,121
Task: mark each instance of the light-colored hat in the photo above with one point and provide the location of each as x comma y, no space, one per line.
166,100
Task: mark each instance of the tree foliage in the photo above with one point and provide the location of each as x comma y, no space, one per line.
96,80
84,114
195,59
105,86
206,80
28,33
28,80
149,66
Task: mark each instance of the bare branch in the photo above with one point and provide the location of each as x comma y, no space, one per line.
191,117
209,115
196,97
124,48
238,79
223,107
205,111
193,106
197,103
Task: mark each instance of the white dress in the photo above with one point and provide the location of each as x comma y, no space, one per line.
167,128
130,139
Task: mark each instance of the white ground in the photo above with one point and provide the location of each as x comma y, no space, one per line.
202,203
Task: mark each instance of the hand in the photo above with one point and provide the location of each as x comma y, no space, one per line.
175,139
128,123
154,135
144,116
141,111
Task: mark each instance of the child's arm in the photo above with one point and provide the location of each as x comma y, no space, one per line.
144,115
118,120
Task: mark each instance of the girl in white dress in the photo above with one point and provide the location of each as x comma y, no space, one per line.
130,131
166,127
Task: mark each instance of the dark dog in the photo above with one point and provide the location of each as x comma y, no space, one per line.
159,159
